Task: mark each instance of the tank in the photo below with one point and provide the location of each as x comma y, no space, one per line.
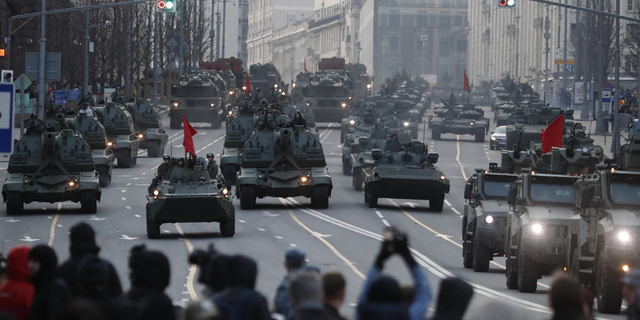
601,244
283,162
458,119
51,167
94,133
239,131
404,172
199,99
189,195
118,123
148,126
485,217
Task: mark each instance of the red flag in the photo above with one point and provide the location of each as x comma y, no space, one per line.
552,135
187,141
305,64
466,82
247,91
458,70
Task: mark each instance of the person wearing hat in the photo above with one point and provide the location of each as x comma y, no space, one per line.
630,286
16,294
51,292
82,244
294,260
92,279
212,166
164,167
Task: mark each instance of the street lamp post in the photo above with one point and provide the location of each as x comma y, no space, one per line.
424,38
517,43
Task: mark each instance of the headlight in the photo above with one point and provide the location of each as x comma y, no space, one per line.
293,85
140,136
225,191
623,236
284,93
369,86
493,138
352,121
231,92
406,124
442,177
472,124
344,105
156,192
625,268
244,87
109,143
275,86
536,228
230,113
303,179
175,104
72,183
213,105
488,219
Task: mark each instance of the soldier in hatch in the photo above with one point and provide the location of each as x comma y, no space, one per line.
163,168
212,166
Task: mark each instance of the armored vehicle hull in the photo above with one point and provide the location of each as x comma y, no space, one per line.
119,126
238,132
153,140
462,119
94,133
199,100
51,167
148,127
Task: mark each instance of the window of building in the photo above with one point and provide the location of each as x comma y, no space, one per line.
457,21
632,33
572,32
630,4
444,47
421,21
461,45
384,19
394,20
444,3
394,43
445,22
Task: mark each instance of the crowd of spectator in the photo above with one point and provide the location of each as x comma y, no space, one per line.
34,286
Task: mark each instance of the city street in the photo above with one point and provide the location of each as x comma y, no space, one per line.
345,237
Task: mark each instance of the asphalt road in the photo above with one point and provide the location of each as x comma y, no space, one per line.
345,237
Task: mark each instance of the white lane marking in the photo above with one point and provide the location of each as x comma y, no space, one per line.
28,239
279,237
386,223
260,229
442,236
126,237
242,221
124,199
94,218
129,183
12,220
447,202
129,208
124,190
292,244
410,204
137,216
379,214
455,210
318,234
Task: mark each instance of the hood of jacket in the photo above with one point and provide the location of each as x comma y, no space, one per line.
18,264
48,265
453,299
242,272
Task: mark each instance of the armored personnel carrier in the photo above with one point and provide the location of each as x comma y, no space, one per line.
461,119
199,100
601,246
239,131
404,172
148,126
50,167
359,155
118,123
189,195
283,162
95,135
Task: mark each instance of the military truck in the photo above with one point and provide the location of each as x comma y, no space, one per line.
404,172
199,100
537,227
239,131
485,217
50,167
283,162
189,195
264,77
601,244
148,126
95,135
118,123
460,119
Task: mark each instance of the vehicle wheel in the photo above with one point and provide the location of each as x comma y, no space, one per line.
89,202
125,161
491,147
229,172
356,181
436,203
134,161
481,255
574,267
228,227
216,123
608,288
435,133
479,135
103,176
527,272
346,167
320,197
174,123
467,251
370,198
153,150
247,196
153,227
511,271
15,205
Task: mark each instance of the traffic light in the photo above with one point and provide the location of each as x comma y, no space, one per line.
166,6
506,3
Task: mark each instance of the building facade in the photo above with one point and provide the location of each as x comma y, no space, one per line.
233,20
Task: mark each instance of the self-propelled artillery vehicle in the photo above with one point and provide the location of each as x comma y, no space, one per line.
148,126
404,172
189,194
95,135
283,162
118,123
49,166
239,131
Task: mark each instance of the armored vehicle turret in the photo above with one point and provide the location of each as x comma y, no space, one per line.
118,123
601,244
460,119
404,172
51,167
188,194
94,133
238,132
485,217
148,126
285,162
199,100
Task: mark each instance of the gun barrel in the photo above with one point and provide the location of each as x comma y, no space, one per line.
285,139
49,142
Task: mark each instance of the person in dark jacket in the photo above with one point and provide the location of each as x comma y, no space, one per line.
334,289
294,259
298,120
82,244
16,294
453,299
93,279
51,292
381,295
566,299
149,275
239,300
305,294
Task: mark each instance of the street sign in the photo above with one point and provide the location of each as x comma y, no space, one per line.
7,90
569,68
556,85
22,83
556,76
608,86
60,96
51,66
606,96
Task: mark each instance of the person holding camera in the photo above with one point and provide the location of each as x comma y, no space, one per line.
381,295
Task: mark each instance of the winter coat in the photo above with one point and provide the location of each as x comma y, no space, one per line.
241,281
51,291
68,270
16,294
113,308
308,310
150,275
